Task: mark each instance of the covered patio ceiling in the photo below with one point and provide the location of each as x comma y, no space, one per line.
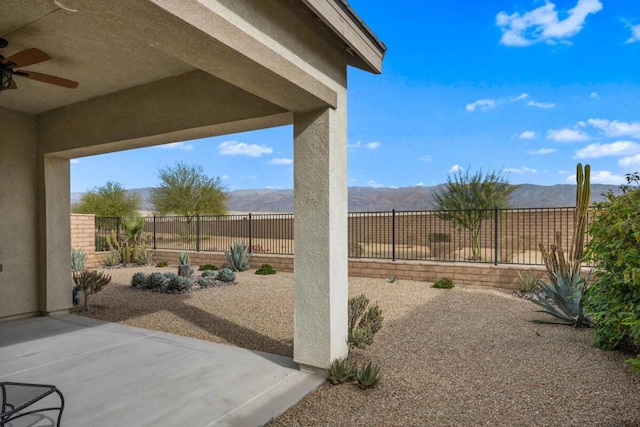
110,46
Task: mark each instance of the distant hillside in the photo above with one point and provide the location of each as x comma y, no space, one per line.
367,199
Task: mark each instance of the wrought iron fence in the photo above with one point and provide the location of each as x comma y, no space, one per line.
505,236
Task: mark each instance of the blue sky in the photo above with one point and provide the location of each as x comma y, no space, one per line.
526,86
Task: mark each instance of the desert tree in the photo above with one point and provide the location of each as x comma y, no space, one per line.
186,190
111,199
467,199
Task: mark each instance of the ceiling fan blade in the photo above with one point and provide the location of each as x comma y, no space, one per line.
27,57
46,78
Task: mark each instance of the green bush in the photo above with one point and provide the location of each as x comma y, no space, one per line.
205,267
139,280
444,283
614,297
205,281
162,264
364,322
265,269
226,275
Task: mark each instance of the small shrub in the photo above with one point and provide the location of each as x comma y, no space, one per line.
363,322
139,280
238,257
341,371
142,255
177,283
183,258
162,264
226,275
209,273
91,282
528,282
441,250
439,238
156,281
265,269
205,267
367,376
443,283
112,258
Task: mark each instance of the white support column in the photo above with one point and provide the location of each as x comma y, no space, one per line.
320,262
55,235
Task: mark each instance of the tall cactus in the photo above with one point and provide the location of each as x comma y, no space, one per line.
583,196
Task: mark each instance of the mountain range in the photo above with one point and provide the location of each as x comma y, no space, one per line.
367,199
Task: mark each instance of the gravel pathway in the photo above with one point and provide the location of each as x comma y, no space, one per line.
464,356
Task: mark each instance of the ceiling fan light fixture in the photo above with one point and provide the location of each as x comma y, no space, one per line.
5,79
64,6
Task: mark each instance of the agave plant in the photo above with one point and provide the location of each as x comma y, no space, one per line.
563,295
341,371
367,376
238,257
566,288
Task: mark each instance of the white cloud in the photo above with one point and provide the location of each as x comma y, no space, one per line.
630,161
521,97
235,148
427,159
370,145
594,95
523,169
374,184
281,161
527,134
601,177
567,135
481,104
456,168
545,105
635,34
420,184
619,148
176,146
614,128
543,151
74,161
542,25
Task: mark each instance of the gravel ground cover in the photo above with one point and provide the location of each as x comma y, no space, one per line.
462,356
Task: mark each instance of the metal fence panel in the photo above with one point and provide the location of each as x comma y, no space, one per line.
504,236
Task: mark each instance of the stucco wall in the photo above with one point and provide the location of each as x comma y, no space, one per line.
18,215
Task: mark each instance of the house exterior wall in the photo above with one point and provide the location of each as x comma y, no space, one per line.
18,215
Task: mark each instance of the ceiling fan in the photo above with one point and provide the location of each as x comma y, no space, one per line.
12,66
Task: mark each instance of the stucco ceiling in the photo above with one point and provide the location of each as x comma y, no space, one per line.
104,55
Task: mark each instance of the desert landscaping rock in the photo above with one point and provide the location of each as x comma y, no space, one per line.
461,356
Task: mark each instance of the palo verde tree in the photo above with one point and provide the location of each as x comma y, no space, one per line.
111,199
468,199
186,190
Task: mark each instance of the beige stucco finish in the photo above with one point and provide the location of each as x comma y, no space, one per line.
159,71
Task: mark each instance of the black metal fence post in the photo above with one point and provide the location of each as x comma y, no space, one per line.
250,234
393,234
118,229
155,242
495,235
198,233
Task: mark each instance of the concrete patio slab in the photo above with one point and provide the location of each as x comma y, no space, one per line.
112,374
